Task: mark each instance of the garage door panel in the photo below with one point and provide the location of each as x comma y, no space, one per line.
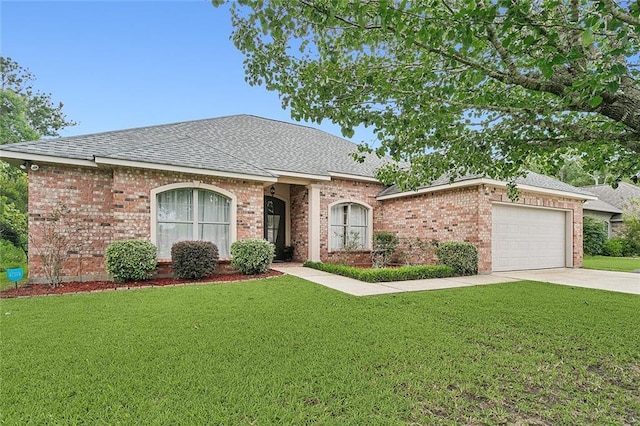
527,238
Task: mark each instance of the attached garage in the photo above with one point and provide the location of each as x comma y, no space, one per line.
530,238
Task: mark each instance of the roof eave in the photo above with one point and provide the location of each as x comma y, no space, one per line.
283,175
485,181
353,177
14,155
189,170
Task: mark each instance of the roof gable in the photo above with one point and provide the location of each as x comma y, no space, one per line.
618,197
533,180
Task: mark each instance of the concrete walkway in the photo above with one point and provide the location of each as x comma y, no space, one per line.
603,280
360,288
622,282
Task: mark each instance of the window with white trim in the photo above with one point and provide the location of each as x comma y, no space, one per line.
349,226
192,214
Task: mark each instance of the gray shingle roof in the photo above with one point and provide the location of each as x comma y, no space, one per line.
239,144
618,197
531,179
600,206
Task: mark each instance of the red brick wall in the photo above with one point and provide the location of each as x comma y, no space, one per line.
107,205
436,216
344,190
332,191
111,204
463,214
299,211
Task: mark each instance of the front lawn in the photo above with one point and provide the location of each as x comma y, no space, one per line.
606,263
285,351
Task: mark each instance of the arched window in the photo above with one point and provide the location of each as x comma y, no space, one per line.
350,226
192,213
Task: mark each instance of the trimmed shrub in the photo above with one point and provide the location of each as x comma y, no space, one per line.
131,260
461,256
252,256
384,246
193,260
594,235
377,275
614,247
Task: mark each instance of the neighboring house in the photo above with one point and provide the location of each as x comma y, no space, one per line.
605,212
611,203
236,177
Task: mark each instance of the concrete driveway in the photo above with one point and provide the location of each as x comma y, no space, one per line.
623,282
603,280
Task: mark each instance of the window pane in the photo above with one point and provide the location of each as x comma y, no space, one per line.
358,215
337,215
169,233
337,237
218,235
213,207
358,236
176,205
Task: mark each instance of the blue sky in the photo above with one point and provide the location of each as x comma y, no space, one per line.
122,64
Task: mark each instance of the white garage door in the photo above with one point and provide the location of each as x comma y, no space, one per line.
527,238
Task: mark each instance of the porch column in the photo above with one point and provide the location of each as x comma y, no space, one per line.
314,222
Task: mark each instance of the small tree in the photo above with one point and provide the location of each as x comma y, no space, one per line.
49,240
384,246
631,228
594,233
351,242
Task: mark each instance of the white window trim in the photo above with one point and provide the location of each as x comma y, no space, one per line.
369,223
193,185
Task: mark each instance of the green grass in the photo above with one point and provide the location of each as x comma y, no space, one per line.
606,263
285,351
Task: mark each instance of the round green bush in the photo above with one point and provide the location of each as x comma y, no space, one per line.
193,260
461,256
131,260
252,256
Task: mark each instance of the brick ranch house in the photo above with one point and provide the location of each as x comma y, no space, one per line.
236,177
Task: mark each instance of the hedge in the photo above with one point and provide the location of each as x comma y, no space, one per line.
376,275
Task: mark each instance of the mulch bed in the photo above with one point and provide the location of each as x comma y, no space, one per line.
87,286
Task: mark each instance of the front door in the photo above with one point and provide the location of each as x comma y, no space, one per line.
274,224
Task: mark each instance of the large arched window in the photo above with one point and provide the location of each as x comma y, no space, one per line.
350,226
192,213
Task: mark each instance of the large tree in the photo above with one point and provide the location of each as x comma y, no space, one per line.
25,113
457,86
